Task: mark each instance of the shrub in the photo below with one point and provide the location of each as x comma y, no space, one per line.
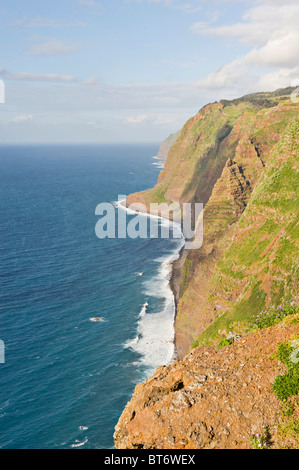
274,315
224,342
228,340
288,384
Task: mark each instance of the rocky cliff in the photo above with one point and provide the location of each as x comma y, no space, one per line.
213,399
249,254
240,159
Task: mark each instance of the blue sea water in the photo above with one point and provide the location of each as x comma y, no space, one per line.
66,379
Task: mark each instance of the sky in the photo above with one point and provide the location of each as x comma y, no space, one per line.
115,71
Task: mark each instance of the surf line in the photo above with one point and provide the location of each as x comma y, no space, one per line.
138,226
188,218
162,344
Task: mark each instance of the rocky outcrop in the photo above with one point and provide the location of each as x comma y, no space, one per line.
213,399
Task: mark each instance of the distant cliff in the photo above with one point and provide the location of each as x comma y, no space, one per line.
240,159
166,145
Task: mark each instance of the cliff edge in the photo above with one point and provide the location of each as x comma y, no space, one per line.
213,399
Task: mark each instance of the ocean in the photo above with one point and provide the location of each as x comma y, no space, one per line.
67,378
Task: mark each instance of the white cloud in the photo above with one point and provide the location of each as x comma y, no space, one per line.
95,124
90,3
226,76
23,119
279,51
52,46
41,22
92,81
162,118
272,29
87,2
282,2
260,24
188,7
166,119
279,78
37,77
136,119
166,100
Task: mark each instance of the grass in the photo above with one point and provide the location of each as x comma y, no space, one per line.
274,314
288,429
238,318
261,264
287,385
185,274
158,194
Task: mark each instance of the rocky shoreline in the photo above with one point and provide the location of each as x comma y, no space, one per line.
175,286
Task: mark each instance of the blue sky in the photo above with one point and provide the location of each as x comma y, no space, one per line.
135,70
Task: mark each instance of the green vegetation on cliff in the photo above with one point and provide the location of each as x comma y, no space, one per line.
261,263
239,158
238,292
288,384
236,296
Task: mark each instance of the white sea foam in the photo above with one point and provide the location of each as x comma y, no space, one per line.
119,205
155,331
79,444
143,310
158,164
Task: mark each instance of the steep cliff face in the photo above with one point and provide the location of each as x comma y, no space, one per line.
218,159
240,158
246,220
191,168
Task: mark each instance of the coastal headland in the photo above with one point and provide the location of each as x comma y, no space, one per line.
238,158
